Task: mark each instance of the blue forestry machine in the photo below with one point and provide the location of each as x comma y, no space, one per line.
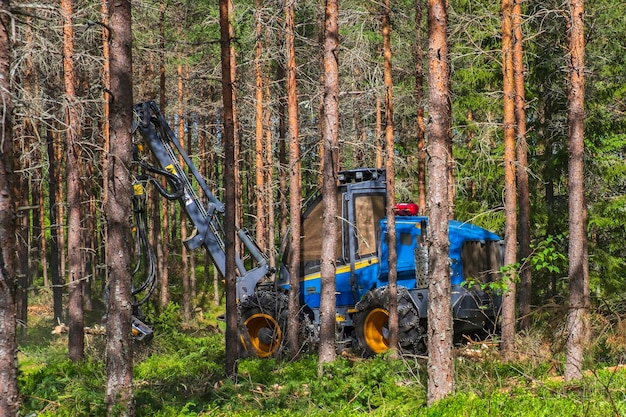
476,258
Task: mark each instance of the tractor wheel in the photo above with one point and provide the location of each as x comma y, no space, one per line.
371,324
263,324
308,333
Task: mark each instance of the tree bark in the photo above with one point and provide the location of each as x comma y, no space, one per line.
295,177
57,279
578,314
282,152
106,112
440,364
183,219
60,208
9,394
229,192
259,159
163,244
330,137
117,207
22,185
269,184
510,197
419,102
392,278
76,339
238,206
523,191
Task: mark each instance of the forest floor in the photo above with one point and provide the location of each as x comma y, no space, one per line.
180,373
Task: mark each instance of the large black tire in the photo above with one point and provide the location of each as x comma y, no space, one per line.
263,324
308,332
371,324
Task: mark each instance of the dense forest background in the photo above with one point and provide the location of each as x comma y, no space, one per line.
176,62
178,43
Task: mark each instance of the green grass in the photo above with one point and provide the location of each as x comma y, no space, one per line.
180,373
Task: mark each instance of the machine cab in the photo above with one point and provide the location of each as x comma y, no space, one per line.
361,201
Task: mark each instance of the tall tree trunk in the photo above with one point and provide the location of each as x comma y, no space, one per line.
206,169
190,254
392,279
55,271
259,138
419,102
238,206
106,115
9,395
216,275
117,208
90,234
578,314
523,191
282,152
295,177
22,186
60,199
440,364
269,184
163,244
510,197
183,219
41,222
76,339
229,192
330,136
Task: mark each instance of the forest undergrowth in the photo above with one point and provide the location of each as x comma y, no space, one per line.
180,373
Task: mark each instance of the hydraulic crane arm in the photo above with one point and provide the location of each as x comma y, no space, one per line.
205,213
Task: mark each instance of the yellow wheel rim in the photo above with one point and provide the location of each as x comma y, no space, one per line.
373,330
260,325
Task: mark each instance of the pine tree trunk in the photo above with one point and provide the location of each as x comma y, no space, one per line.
106,115
60,199
90,240
76,339
239,214
190,256
43,246
578,314
229,192
183,220
22,193
259,137
269,184
391,184
295,177
419,102
163,242
282,153
57,281
117,208
9,395
330,137
523,191
440,364
510,196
